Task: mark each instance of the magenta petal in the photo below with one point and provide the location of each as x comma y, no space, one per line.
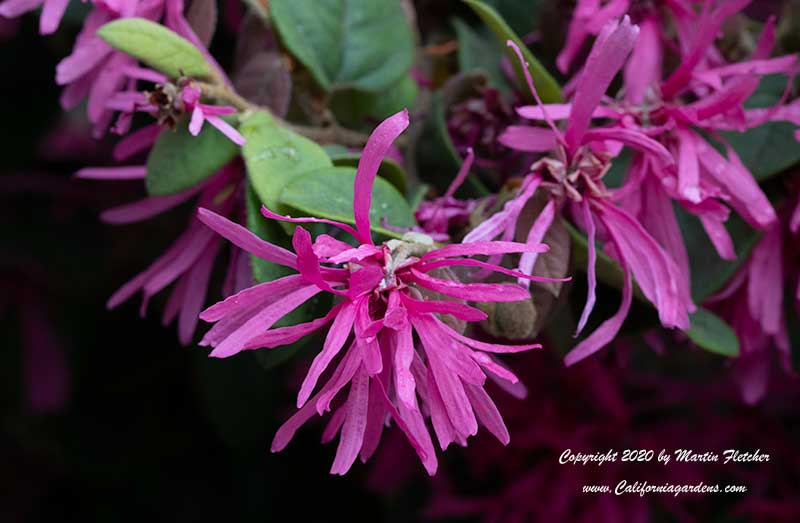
472,291
263,320
643,69
286,335
487,347
52,12
337,336
535,236
527,138
134,172
374,151
606,332
631,138
273,216
262,294
605,60
487,413
354,425
462,174
196,123
484,248
226,129
307,261
591,297
453,308
246,240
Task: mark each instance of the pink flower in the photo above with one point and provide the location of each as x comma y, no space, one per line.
574,178
202,112
437,216
385,294
756,313
96,71
52,12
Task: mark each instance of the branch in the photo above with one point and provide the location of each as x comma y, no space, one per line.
333,133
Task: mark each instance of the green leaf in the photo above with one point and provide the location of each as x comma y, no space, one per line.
354,108
521,15
711,333
156,46
477,50
546,85
766,150
771,148
275,155
328,193
710,272
179,160
365,45
389,169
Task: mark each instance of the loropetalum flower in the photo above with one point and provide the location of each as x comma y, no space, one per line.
757,315
386,293
95,71
52,12
436,217
704,94
574,179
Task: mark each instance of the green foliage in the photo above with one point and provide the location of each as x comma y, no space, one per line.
711,333
275,155
710,272
156,46
771,148
345,44
358,108
389,169
478,50
179,160
328,193
546,85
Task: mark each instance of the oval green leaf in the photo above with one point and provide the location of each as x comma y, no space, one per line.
328,193
156,46
179,160
343,43
275,155
711,333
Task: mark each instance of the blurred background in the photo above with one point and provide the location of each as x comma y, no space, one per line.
106,417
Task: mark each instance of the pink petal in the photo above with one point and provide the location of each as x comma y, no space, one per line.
453,308
527,138
374,151
273,216
606,332
355,424
462,173
134,172
483,248
263,293
605,60
52,12
286,335
535,236
196,123
643,69
263,320
337,336
246,240
471,291
487,347
591,297
487,413
226,129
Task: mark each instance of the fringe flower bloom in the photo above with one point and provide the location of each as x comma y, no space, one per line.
386,293
575,176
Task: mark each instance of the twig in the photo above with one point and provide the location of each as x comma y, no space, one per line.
333,133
